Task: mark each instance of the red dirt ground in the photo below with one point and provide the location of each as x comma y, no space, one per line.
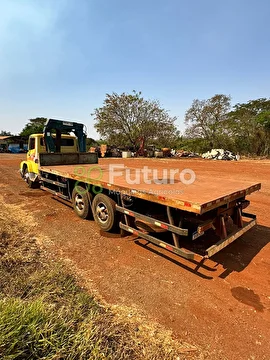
221,306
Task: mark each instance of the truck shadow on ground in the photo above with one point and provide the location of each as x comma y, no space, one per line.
189,265
236,257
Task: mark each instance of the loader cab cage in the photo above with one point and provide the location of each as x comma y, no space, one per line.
54,145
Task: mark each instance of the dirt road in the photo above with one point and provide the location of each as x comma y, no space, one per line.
221,306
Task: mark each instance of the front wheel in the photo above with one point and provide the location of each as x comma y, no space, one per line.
104,212
25,174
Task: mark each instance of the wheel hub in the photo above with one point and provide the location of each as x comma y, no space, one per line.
102,212
79,203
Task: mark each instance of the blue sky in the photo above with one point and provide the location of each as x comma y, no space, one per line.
58,58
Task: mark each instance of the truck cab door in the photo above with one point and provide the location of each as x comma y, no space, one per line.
31,153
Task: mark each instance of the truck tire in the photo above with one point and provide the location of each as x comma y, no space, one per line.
104,212
81,202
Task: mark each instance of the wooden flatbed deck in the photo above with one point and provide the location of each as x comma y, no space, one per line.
199,197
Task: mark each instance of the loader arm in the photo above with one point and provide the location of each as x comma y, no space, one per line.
60,127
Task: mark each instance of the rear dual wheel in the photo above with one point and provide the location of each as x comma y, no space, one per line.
102,209
104,212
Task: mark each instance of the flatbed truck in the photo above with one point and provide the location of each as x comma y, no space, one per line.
193,221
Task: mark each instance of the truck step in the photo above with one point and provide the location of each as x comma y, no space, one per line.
54,193
57,183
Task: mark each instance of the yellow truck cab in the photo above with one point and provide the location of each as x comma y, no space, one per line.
29,168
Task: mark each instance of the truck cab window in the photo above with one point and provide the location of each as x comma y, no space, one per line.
31,143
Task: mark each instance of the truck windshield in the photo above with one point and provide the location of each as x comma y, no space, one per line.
64,142
67,142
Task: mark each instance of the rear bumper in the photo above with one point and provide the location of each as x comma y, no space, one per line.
232,237
250,221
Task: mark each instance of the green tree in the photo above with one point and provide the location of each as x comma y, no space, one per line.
90,142
5,133
34,126
264,119
249,125
126,118
205,119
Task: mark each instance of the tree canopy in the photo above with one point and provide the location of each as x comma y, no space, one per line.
34,126
125,119
250,126
244,128
5,133
205,119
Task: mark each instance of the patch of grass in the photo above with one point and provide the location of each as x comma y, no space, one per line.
36,330
45,314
